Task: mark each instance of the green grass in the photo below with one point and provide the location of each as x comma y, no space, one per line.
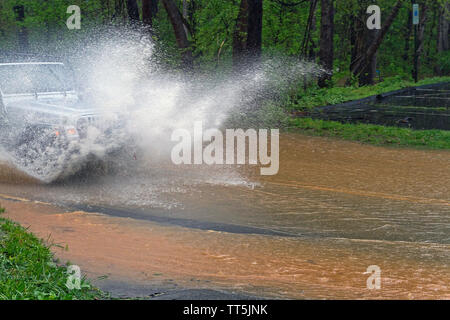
317,97
373,134
366,133
28,270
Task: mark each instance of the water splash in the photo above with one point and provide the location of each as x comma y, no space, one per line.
119,73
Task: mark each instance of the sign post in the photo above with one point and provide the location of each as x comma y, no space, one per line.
416,21
415,14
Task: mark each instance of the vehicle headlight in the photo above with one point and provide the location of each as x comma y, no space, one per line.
71,131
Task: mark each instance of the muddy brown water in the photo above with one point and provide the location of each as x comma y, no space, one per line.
311,231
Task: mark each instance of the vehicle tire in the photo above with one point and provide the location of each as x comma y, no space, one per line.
36,143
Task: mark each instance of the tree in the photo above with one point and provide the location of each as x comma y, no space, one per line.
254,36
326,52
443,66
22,34
367,75
361,40
178,24
235,30
247,36
420,35
408,32
118,9
443,28
133,11
310,27
147,16
149,11
240,36
365,59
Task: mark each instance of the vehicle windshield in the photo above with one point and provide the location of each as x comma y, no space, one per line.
34,78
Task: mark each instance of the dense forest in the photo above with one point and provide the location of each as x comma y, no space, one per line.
223,35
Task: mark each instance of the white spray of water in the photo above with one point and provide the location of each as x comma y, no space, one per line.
121,76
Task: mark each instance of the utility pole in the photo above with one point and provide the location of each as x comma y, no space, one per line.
416,40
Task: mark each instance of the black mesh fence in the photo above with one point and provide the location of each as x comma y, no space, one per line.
426,107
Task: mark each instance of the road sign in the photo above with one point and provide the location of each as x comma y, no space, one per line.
416,21
415,14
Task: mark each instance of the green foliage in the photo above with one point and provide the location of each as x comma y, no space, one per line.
270,115
443,62
213,23
316,97
284,27
374,134
28,270
46,23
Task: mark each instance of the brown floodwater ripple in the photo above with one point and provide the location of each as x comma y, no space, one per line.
334,209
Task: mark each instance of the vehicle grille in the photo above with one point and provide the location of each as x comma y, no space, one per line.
98,122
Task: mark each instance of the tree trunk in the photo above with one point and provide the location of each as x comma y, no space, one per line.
23,32
254,36
192,8
443,33
119,10
326,52
434,21
408,34
363,62
359,34
185,14
365,39
149,11
240,36
247,35
155,7
310,27
176,20
366,77
421,32
353,42
312,43
147,15
133,11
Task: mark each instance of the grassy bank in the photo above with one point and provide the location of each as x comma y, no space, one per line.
28,269
373,134
317,97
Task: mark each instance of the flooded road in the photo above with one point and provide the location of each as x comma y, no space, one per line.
311,231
